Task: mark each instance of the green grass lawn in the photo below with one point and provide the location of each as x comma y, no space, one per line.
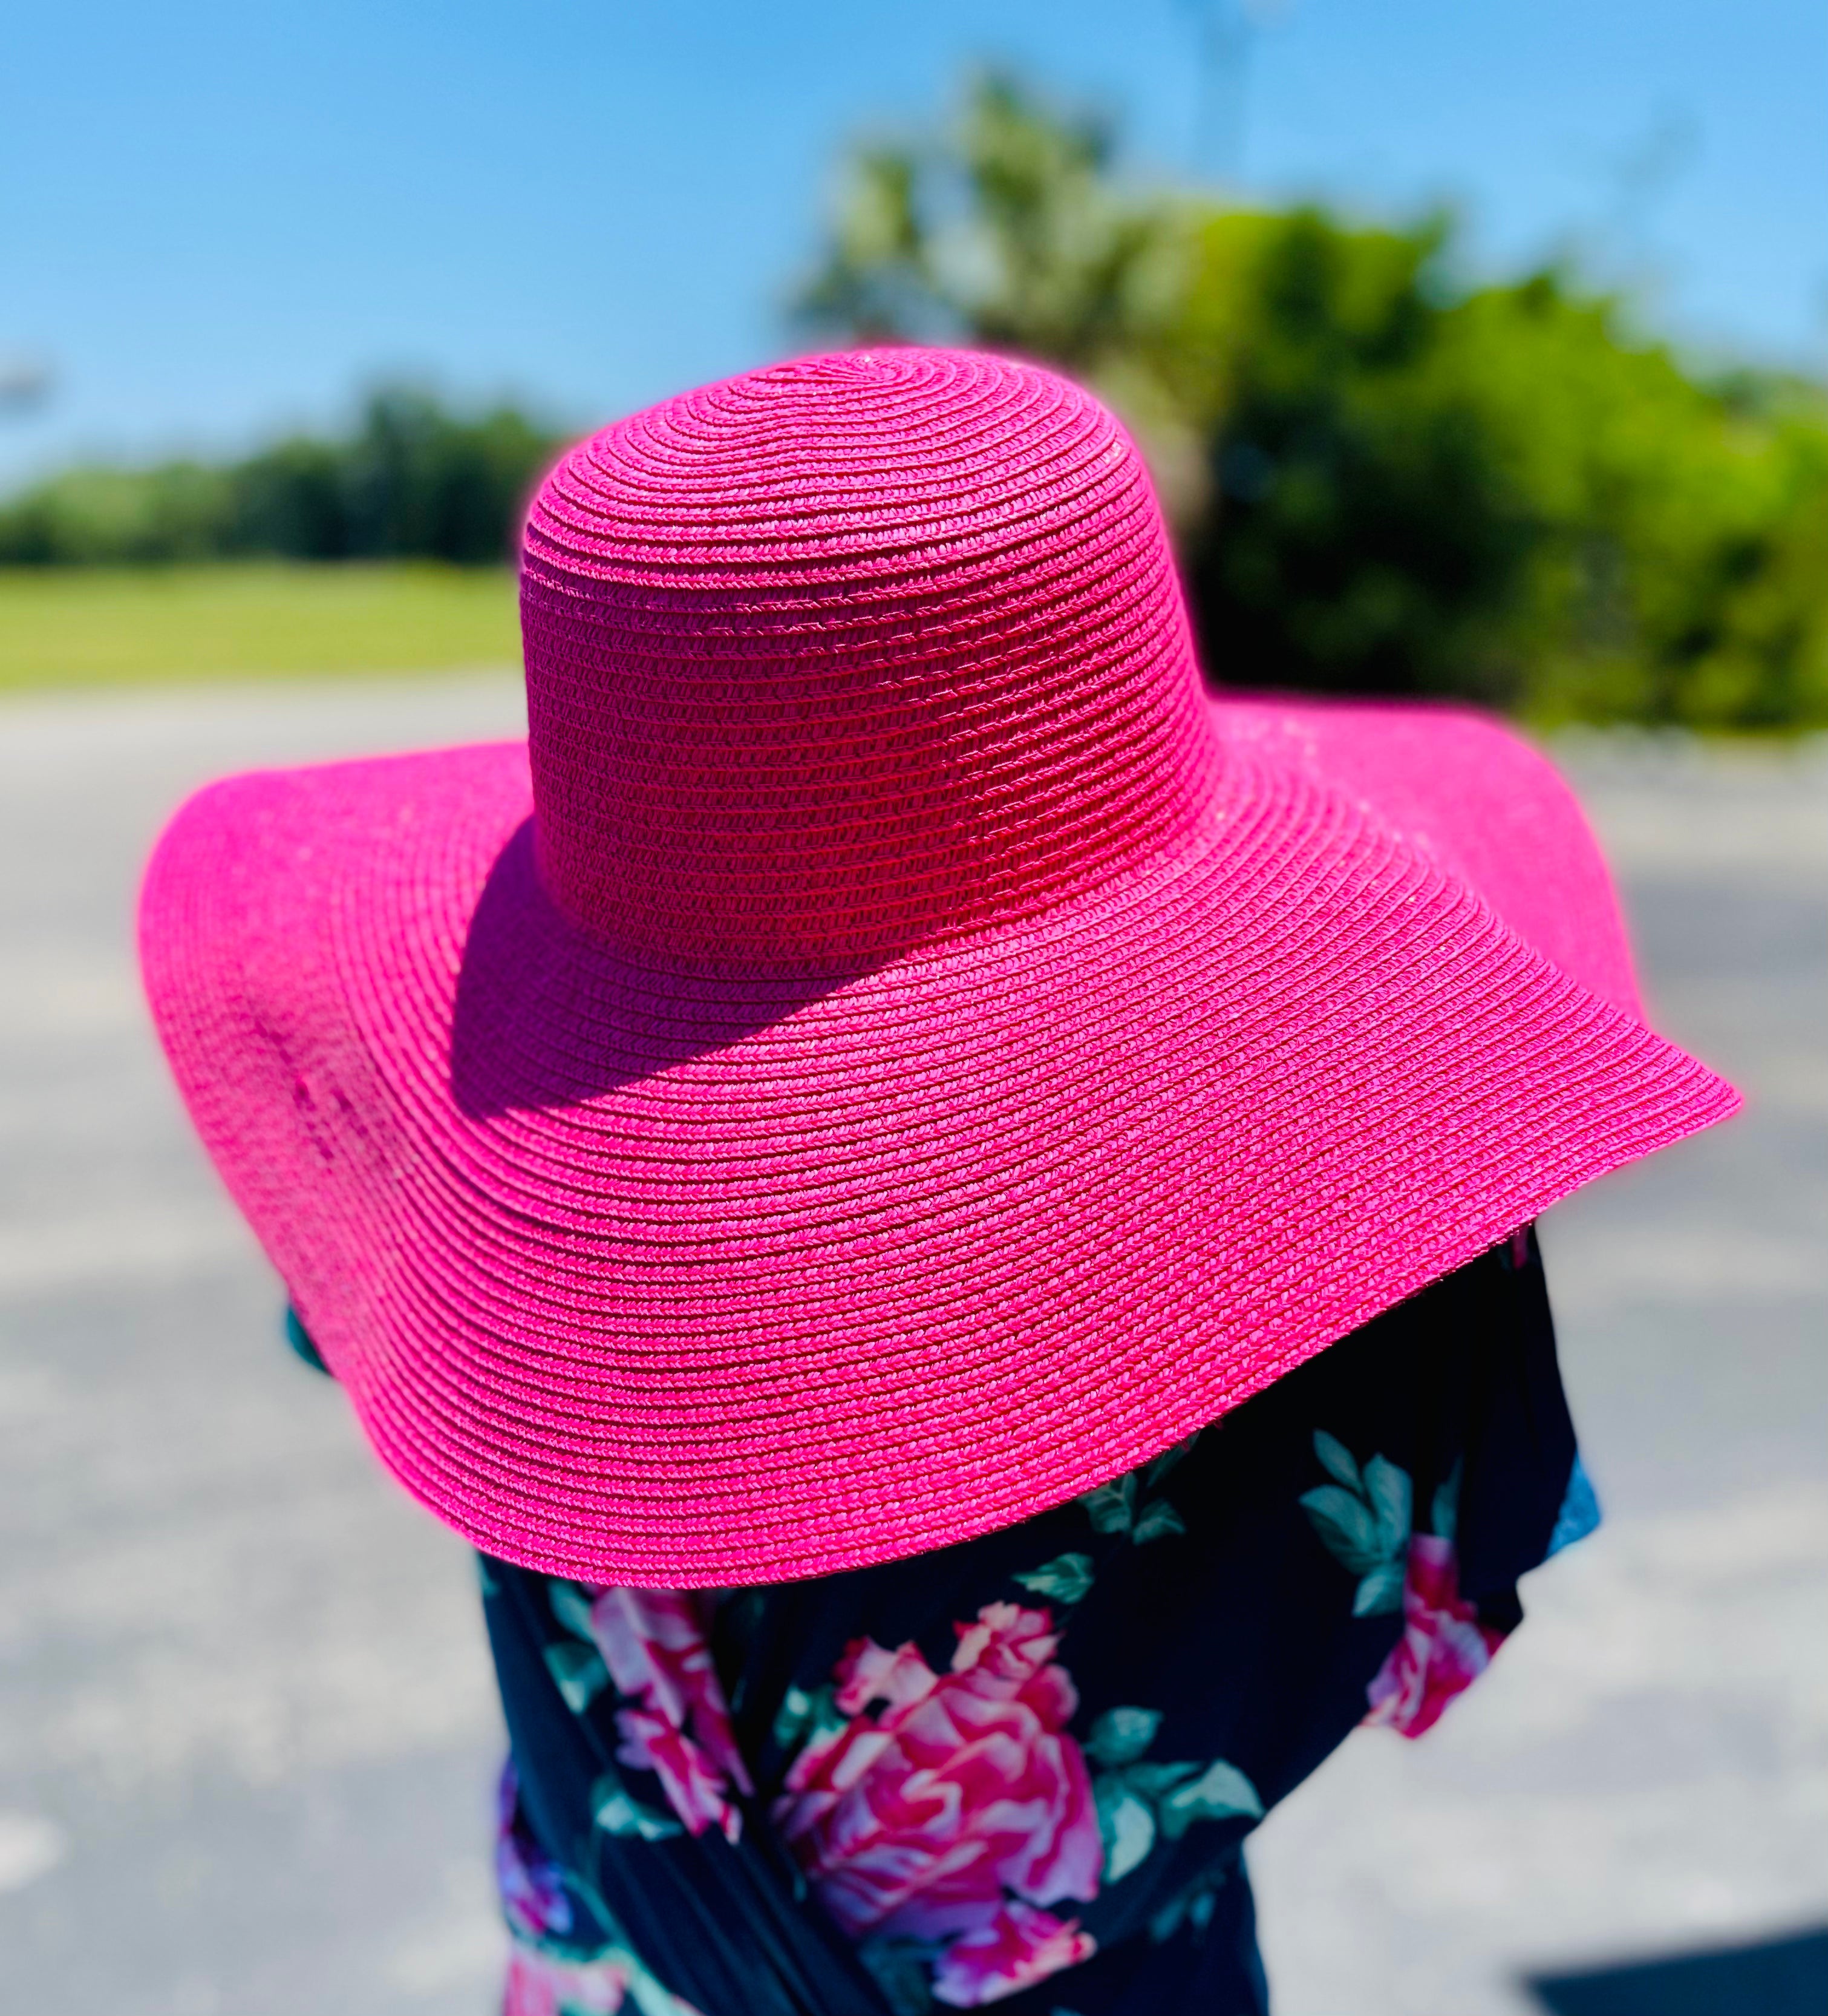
81,626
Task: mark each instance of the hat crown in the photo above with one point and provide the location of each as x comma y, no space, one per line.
849,654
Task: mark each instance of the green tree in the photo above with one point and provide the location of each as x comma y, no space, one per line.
412,481
1361,533
1382,478
179,511
416,481
1671,580
1008,229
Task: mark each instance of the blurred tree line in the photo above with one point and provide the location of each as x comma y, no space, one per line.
1382,477
413,481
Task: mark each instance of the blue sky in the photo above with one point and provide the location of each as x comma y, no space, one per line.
217,220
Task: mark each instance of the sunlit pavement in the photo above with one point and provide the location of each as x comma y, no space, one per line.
246,1728
1644,1770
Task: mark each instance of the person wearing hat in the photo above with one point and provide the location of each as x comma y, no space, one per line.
948,1211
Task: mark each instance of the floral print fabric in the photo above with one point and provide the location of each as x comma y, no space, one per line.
1443,1647
945,1807
1020,1772
1363,1518
675,1724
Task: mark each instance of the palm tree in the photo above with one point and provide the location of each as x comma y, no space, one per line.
1010,231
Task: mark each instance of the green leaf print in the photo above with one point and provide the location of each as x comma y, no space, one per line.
1221,1791
1388,1488
1120,1735
1380,1591
649,1997
1194,1906
1066,1579
1128,1828
901,1971
1336,1459
1365,1527
615,1812
1153,1780
578,1672
1159,1519
1112,1506
794,1717
1139,1803
1444,1513
803,1715
1346,1527
571,1607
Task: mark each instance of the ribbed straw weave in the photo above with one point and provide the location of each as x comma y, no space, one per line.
893,1056
898,652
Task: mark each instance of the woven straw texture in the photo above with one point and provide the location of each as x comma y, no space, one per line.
889,1053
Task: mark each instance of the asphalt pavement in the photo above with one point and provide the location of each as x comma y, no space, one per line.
246,1732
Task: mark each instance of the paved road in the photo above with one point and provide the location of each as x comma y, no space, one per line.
246,1729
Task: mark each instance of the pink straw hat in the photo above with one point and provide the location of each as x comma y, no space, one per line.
889,1053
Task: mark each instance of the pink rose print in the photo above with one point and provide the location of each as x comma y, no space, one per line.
540,1984
1019,1947
653,1641
533,1898
917,1821
1443,1647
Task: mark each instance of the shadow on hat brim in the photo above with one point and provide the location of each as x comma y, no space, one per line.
643,1276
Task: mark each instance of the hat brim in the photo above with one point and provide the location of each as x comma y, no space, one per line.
655,1277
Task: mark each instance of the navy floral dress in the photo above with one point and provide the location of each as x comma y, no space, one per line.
1021,1770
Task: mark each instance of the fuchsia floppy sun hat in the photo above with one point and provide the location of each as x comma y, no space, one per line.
889,1053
